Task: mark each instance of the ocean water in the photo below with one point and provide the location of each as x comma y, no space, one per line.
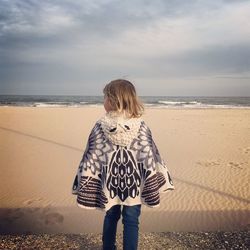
198,102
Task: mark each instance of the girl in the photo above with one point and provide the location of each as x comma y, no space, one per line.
121,166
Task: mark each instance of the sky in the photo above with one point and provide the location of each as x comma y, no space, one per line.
164,47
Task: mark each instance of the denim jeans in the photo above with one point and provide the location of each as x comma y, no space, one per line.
130,221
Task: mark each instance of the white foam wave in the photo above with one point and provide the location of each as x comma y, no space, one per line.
196,106
179,103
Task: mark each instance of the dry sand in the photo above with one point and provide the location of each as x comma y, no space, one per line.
207,152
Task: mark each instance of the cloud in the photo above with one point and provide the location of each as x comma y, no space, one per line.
91,41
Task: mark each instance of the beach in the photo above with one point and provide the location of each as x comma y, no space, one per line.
207,152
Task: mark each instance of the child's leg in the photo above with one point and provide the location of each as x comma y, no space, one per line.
130,220
109,227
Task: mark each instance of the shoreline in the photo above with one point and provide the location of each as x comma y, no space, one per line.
146,107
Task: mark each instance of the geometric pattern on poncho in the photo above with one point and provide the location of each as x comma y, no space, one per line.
95,155
124,176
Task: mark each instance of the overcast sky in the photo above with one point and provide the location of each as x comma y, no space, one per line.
168,47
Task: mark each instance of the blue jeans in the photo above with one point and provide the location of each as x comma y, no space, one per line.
130,221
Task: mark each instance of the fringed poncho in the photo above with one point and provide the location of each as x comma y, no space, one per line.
121,165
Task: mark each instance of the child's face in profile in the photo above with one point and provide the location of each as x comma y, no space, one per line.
106,104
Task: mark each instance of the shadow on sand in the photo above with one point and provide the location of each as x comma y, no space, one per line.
75,220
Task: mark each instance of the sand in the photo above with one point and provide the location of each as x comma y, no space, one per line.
207,152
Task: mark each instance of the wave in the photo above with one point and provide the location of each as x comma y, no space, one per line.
179,102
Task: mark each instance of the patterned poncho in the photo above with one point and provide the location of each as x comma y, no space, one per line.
121,165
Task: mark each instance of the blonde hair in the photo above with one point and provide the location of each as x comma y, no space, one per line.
122,97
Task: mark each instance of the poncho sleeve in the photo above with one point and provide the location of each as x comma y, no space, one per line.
154,170
162,169
88,185
76,183
77,179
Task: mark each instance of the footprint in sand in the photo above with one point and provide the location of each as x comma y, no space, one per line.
31,202
208,163
50,217
12,215
53,218
245,150
235,165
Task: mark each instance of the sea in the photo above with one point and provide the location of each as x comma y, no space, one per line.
173,102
